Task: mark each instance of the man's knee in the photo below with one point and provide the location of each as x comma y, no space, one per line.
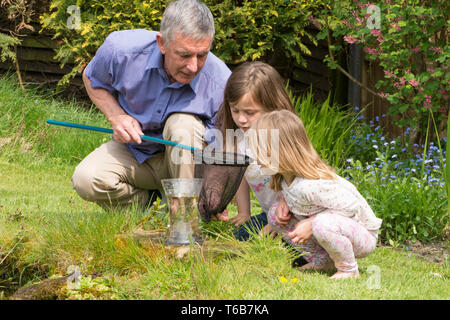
82,183
88,184
184,128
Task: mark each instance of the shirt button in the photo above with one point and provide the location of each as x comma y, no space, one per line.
159,111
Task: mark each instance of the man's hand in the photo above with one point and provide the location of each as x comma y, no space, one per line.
282,214
221,216
126,128
302,232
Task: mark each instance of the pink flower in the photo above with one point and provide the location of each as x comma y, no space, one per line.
396,26
414,82
371,51
350,39
383,95
436,49
416,49
388,73
375,32
427,102
364,5
400,83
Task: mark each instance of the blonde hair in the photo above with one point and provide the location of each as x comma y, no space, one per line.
265,85
297,156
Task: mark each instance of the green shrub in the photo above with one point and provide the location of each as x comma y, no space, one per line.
404,188
408,39
252,30
328,127
247,30
6,45
411,209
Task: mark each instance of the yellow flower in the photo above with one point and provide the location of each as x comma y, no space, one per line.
294,280
283,279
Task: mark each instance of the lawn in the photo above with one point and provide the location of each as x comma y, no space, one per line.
45,228
58,229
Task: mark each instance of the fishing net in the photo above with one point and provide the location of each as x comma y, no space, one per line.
222,173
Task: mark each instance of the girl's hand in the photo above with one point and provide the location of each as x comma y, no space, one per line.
221,216
302,232
282,214
269,230
240,219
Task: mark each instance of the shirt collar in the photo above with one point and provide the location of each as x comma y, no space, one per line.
156,60
195,82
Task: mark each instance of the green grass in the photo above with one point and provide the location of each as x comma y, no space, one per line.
45,227
61,230
25,135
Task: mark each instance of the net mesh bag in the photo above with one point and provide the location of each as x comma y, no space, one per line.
222,173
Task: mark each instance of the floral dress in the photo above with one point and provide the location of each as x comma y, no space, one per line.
344,226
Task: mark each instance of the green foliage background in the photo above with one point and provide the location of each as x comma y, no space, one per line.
245,30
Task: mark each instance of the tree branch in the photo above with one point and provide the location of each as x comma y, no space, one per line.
348,75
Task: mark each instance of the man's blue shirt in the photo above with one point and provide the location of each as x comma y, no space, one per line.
130,64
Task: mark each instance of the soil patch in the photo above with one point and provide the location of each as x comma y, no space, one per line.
437,252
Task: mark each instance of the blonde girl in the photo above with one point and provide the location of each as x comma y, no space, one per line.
326,214
253,89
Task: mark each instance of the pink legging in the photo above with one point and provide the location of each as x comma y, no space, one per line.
334,237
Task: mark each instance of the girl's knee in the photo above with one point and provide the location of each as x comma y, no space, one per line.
321,224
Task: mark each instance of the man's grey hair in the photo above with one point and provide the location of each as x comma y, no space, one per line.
191,18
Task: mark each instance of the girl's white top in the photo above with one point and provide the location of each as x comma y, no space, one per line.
307,197
257,180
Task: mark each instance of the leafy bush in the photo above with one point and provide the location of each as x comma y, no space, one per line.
411,208
244,29
404,188
253,29
328,127
6,45
85,30
409,40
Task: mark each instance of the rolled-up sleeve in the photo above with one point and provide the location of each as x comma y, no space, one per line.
100,70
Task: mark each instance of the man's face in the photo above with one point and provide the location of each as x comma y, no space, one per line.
184,57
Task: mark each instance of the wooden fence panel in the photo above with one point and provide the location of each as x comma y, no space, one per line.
376,108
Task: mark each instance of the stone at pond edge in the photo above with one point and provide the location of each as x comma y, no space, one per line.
153,239
50,289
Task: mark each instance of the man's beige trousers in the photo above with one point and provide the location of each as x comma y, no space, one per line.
112,177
